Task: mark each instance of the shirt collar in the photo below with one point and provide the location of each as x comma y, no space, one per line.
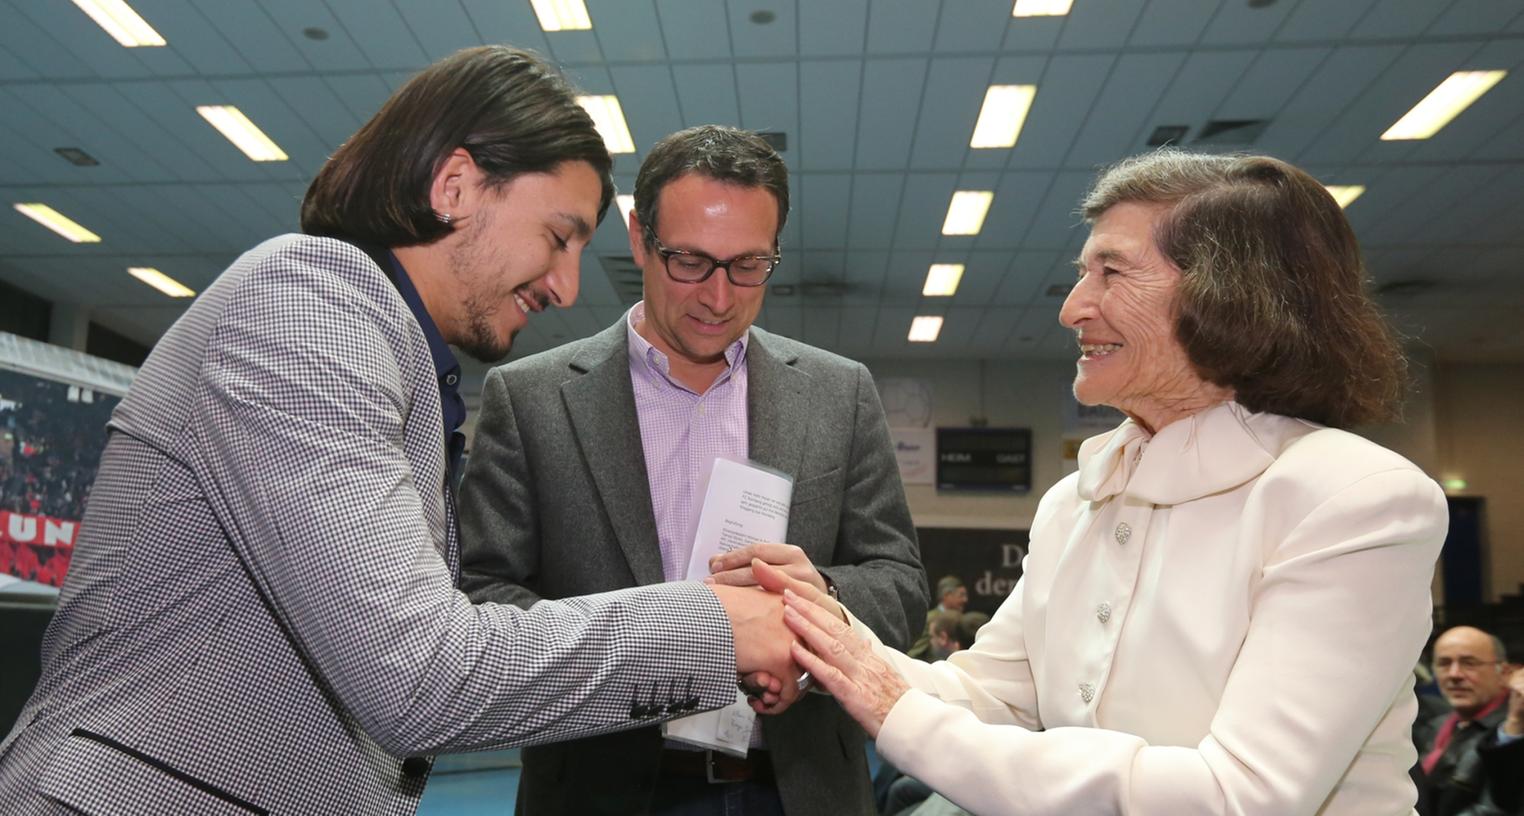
1208,452
446,367
644,355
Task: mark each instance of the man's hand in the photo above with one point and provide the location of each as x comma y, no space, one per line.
1514,725
864,684
734,568
763,642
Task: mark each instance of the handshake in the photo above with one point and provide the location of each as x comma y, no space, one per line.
750,582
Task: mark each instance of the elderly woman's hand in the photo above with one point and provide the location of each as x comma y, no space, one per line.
844,664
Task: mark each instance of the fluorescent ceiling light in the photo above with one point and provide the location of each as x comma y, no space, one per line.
1345,194
562,15
1041,8
231,122
965,214
160,281
925,329
626,204
608,118
942,280
58,222
1002,115
1442,104
121,22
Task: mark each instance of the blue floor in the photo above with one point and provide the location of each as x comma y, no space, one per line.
472,785
488,783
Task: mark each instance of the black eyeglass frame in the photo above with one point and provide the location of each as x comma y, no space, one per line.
666,254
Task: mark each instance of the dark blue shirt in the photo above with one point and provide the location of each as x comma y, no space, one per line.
445,365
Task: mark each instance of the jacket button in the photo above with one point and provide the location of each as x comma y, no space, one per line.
415,767
1103,612
1124,532
1086,692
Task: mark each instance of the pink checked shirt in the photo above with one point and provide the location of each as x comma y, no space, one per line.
681,433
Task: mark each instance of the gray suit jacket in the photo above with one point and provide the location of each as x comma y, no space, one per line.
556,502
261,614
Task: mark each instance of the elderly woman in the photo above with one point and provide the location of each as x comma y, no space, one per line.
1221,610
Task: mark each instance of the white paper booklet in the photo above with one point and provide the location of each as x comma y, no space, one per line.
743,504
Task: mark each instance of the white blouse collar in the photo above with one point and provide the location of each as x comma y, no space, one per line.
1215,450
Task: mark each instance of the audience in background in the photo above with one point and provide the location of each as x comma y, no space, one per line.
50,446
952,596
1472,759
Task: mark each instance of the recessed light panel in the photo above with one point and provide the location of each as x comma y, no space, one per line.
244,134
57,222
1444,103
608,118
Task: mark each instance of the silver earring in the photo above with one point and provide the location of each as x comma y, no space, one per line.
445,218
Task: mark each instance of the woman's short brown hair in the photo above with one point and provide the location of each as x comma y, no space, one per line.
1273,299
509,109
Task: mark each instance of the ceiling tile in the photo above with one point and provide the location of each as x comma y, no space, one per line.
763,107
972,25
885,131
336,52
1375,106
1017,197
1064,97
923,207
495,21
773,40
1270,81
902,26
1398,18
1204,81
995,324
1100,25
652,109
1321,22
823,202
832,29
707,94
381,33
1172,23
441,28
628,30
255,35
695,29
1243,24
1473,17
827,114
1123,107
1336,84
1026,276
955,89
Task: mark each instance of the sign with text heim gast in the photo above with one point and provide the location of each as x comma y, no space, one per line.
989,459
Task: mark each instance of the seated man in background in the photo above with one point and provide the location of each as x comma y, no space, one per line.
945,631
1473,758
952,596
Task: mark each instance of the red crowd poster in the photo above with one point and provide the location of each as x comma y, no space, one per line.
51,436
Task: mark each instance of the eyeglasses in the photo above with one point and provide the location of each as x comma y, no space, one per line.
1467,664
696,267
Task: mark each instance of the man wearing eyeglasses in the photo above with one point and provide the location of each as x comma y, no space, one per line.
619,431
1473,758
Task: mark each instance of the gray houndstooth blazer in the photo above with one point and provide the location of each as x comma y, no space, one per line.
567,418
261,613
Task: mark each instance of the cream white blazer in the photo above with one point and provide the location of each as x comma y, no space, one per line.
1219,619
